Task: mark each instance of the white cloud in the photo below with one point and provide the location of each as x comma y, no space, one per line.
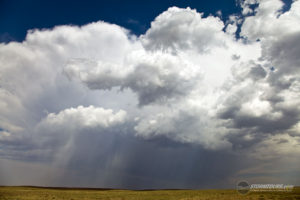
153,76
85,117
185,79
187,125
269,22
183,29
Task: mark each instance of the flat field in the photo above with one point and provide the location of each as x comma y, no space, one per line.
36,193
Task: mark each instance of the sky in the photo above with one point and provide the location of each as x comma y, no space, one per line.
18,16
149,94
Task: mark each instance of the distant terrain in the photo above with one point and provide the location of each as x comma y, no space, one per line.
40,193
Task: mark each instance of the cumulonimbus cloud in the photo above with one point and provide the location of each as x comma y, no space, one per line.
188,79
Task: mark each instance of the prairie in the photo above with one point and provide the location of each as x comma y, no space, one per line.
40,193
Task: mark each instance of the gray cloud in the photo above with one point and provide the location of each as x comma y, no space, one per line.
154,77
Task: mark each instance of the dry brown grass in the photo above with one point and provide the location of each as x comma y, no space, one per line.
32,193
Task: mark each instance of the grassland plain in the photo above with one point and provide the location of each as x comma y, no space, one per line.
37,193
